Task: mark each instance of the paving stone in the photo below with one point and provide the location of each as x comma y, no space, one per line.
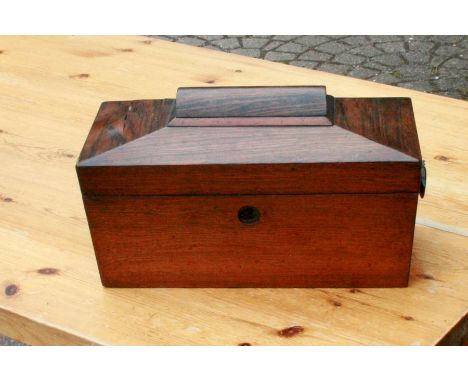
388,59
363,73
292,47
448,50
366,50
384,38
166,38
272,45
279,56
336,37
6,341
334,68
304,64
447,83
417,57
376,66
254,42
391,47
456,62
356,40
247,52
415,72
311,41
421,46
447,39
227,43
195,41
284,37
452,94
385,78
424,86
452,72
437,60
333,47
212,47
351,59
315,56
211,37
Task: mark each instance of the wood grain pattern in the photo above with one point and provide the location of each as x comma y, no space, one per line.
200,242
119,122
388,121
250,179
42,221
240,145
291,101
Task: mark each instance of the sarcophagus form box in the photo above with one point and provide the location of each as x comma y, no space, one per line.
253,187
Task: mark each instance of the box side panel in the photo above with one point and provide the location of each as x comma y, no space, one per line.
299,240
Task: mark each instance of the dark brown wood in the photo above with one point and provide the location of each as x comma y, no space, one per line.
120,122
252,187
250,121
241,145
280,101
334,240
218,179
388,121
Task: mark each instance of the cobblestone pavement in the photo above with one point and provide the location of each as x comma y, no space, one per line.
5,341
434,64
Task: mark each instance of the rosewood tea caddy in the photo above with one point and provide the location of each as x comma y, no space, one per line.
253,187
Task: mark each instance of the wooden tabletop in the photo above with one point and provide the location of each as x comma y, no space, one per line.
50,91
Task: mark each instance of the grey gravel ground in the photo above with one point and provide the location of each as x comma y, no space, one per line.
434,64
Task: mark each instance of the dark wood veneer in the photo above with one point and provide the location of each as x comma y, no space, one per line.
252,179
388,121
285,101
333,182
250,121
240,145
300,241
120,122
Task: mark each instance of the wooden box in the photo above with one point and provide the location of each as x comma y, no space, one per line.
253,187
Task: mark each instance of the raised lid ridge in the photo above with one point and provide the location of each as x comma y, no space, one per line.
257,101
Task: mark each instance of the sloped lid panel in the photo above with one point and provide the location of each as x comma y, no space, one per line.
239,145
388,121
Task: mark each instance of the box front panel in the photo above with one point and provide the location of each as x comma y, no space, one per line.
341,240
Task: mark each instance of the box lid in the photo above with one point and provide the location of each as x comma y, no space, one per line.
252,140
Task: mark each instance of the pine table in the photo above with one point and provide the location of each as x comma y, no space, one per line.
50,291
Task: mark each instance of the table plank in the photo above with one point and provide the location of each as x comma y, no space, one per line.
50,90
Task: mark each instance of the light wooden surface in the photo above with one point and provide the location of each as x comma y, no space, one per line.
50,90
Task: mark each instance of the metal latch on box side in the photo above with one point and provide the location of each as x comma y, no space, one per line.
422,185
